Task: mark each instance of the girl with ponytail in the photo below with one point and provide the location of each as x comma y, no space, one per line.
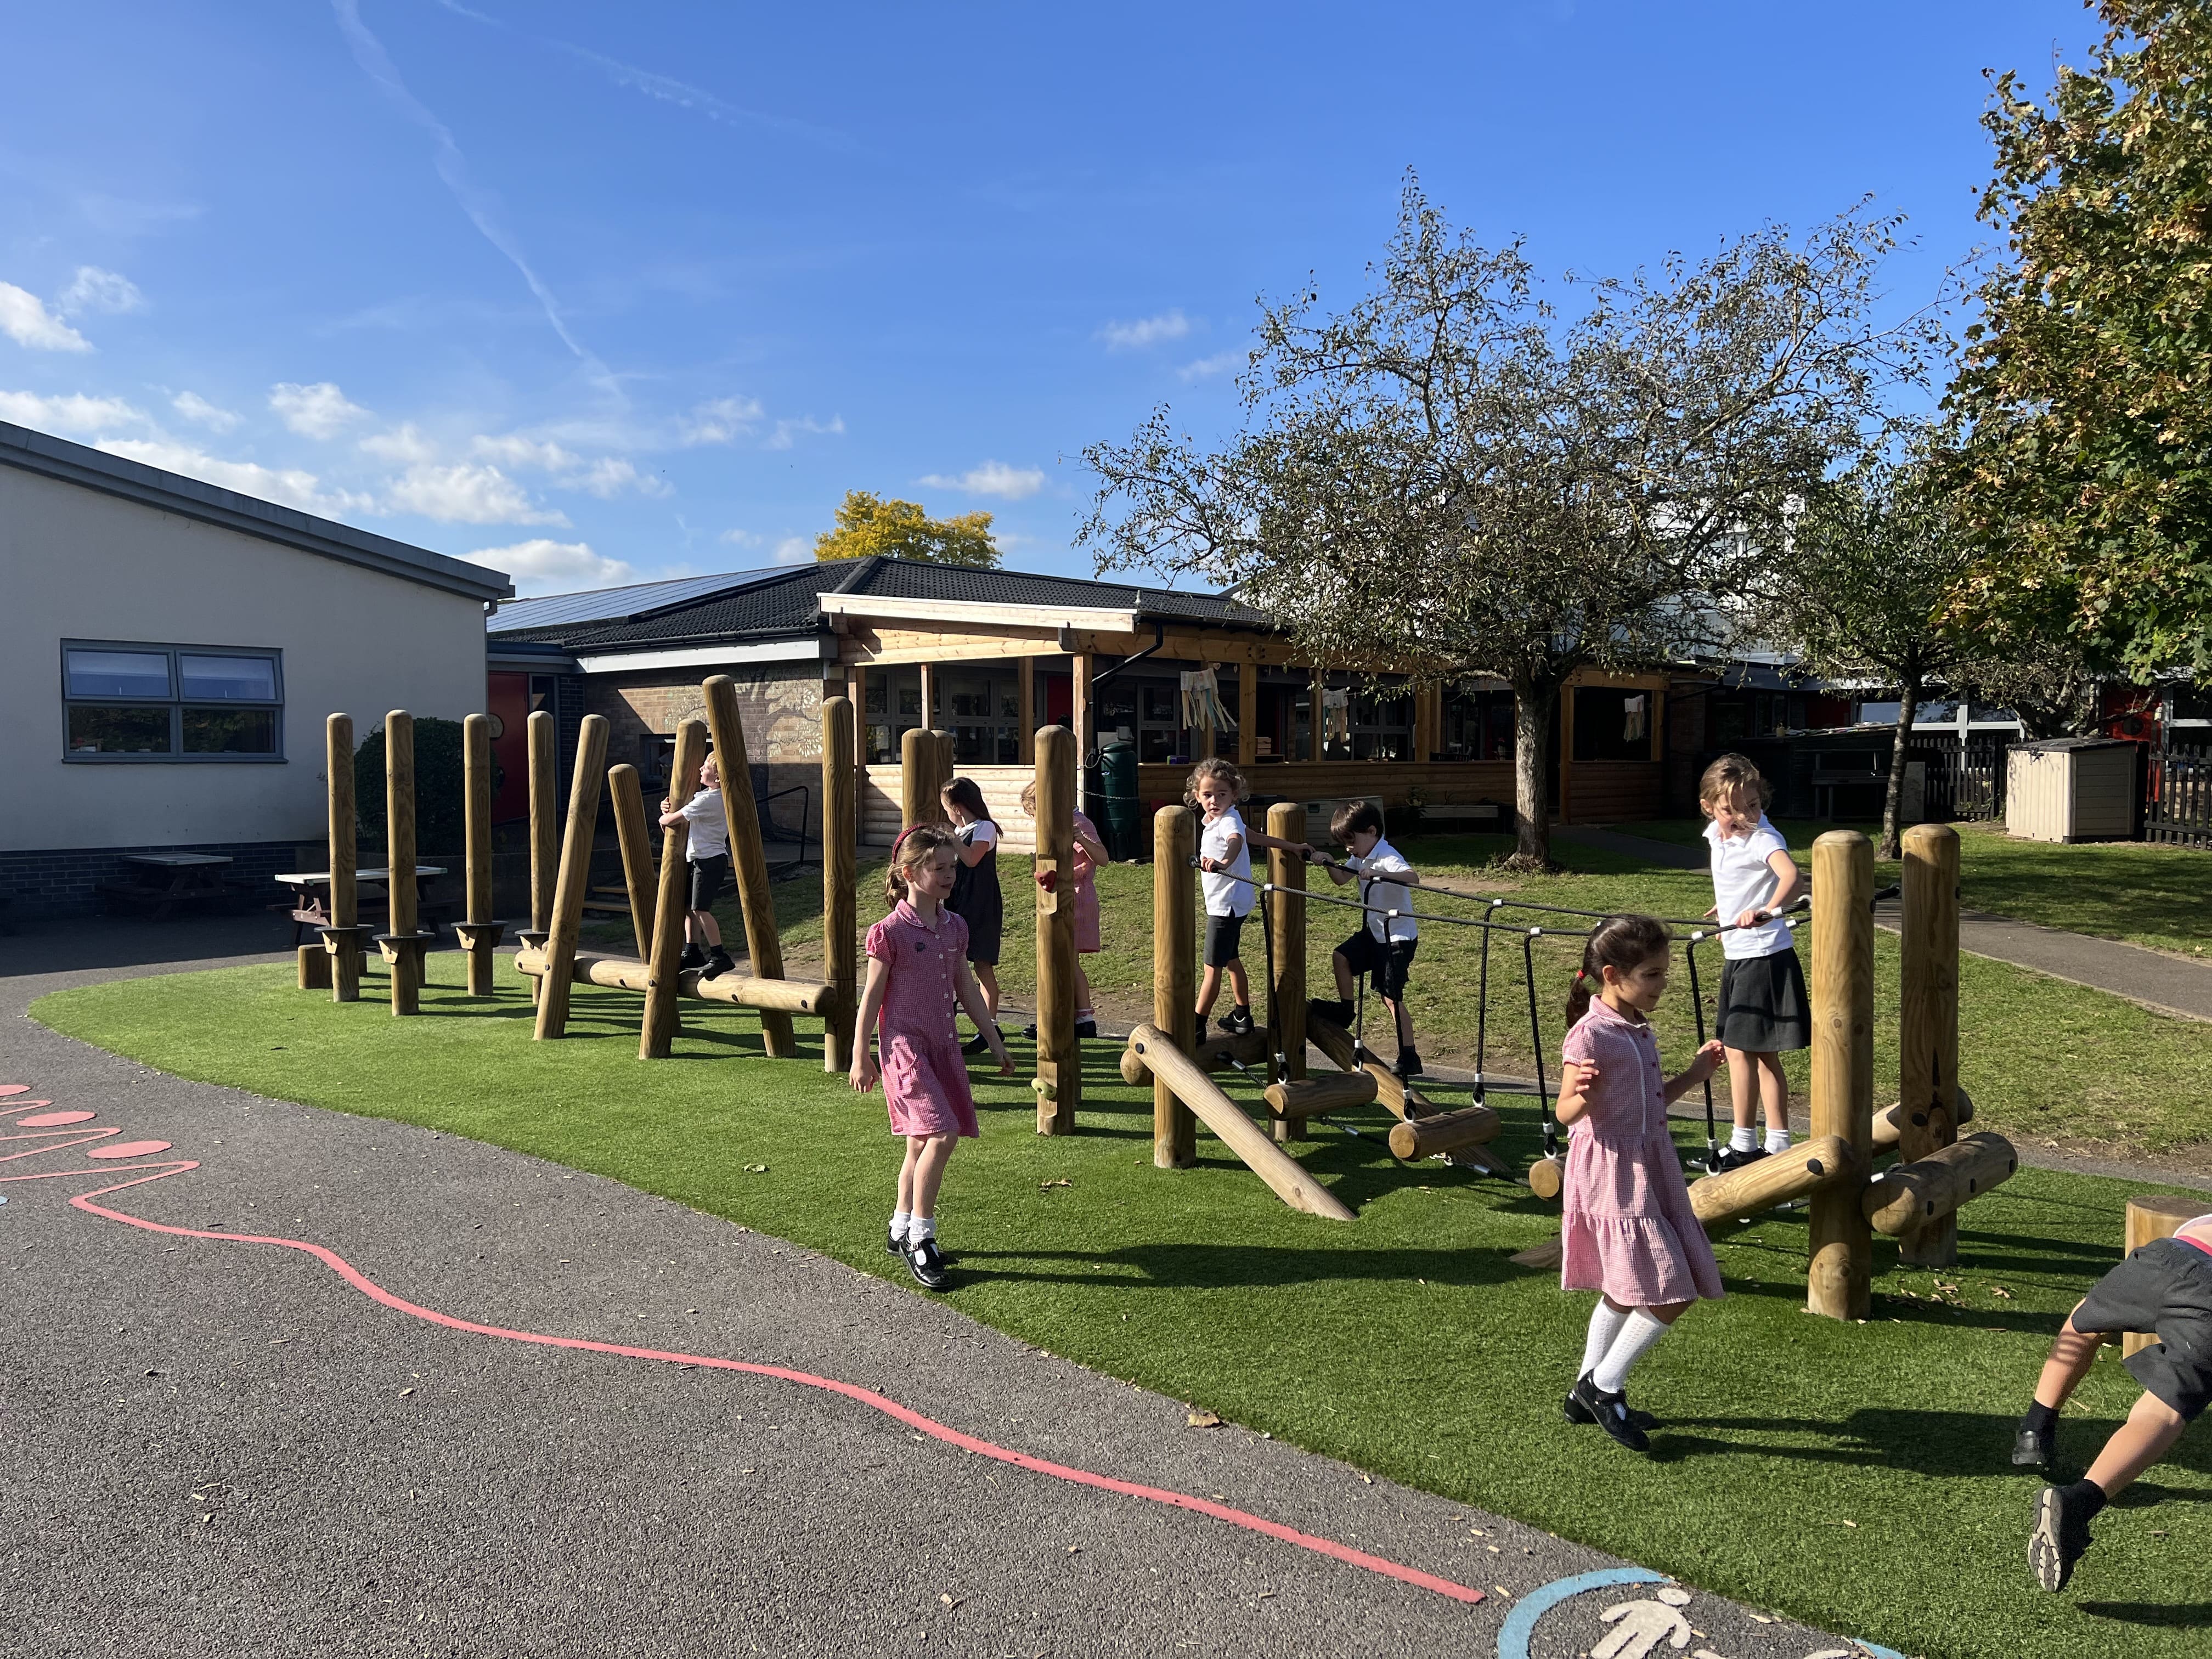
1628,1231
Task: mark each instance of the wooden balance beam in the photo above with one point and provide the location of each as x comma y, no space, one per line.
1805,1168
785,996
1213,1053
1906,1197
1889,1123
1196,1090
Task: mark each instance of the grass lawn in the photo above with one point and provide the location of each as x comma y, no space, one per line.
2157,897
1853,1476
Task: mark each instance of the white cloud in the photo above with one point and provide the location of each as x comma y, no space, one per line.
793,549
73,413
1145,332
609,475
290,486
94,290
780,439
462,493
605,477
199,410
539,566
992,478
318,411
741,538
25,320
404,443
514,449
1205,368
723,419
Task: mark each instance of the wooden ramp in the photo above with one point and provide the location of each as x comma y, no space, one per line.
1237,1131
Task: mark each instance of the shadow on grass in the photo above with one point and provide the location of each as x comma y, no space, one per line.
1189,1267
2179,1614
1928,1443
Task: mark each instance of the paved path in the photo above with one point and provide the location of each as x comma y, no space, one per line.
224,1447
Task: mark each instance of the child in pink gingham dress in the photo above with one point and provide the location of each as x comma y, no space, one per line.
1629,1230
918,977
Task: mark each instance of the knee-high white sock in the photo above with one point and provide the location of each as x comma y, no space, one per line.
1635,1340
1606,1322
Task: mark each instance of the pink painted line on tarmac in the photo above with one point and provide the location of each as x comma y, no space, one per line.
53,1120
867,1397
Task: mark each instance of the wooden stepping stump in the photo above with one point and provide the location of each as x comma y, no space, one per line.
2154,1215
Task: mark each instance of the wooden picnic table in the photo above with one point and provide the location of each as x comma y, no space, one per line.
162,881
310,903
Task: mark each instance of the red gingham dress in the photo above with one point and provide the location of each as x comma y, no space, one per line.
925,1074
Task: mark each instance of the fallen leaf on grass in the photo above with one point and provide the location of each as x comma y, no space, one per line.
1047,1186
1853,1525
1204,1420
755,1169
1999,1290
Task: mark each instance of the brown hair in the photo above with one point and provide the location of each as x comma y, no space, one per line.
1354,817
962,793
1730,773
915,846
1623,944
1212,767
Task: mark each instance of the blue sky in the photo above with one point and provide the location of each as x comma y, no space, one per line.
608,293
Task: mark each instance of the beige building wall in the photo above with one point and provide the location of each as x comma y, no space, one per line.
76,563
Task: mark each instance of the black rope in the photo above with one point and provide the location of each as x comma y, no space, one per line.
1482,1022
1279,1066
1697,1006
1359,1026
1536,1041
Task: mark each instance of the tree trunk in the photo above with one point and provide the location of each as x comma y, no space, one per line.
1893,797
1532,808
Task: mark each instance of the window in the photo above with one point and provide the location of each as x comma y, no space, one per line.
171,703
1382,726
1478,725
1612,725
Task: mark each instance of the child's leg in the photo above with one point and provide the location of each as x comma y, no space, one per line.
929,1173
1405,1021
2071,1356
1240,988
986,976
1743,1098
1346,986
1083,1009
1638,1336
1773,1098
700,927
2149,1432
1209,988
913,1143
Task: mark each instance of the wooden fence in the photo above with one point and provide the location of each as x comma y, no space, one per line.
2177,791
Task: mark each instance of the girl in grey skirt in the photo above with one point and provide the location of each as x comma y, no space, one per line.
976,896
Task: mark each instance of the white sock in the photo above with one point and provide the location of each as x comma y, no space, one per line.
919,1228
1743,1138
1606,1322
900,1222
1777,1141
1634,1341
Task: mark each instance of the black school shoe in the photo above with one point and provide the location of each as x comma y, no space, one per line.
1086,1029
1731,1159
927,1264
1409,1062
1578,1413
2031,1450
693,957
2061,1536
1336,1013
1609,1411
719,963
1237,1022
893,1245
978,1044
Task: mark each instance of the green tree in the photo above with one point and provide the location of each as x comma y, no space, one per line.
2086,388
1449,478
902,530
440,789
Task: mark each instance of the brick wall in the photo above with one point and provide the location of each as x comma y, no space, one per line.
780,704
66,881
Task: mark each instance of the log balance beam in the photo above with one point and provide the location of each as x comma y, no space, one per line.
782,996
1804,1170
1173,1070
1906,1199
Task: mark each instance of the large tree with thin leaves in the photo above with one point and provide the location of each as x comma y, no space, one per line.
1457,475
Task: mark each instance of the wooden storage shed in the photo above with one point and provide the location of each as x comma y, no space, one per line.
2069,789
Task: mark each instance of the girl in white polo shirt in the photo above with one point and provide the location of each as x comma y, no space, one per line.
1764,1010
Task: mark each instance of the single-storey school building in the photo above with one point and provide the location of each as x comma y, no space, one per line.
168,652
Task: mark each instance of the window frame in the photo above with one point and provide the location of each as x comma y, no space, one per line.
175,702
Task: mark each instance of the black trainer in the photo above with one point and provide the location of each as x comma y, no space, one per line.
1237,1022
1335,1012
693,957
2033,1449
719,963
927,1264
1086,1029
1609,1412
2061,1536
978,1044
1409,1062
1578,1413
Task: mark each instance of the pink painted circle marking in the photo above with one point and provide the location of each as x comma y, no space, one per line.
14,1088
130,1149
53,1120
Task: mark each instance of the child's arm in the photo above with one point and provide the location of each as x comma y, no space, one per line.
1703,1065
1575,1079
1788,882
972,853
1228,857
864,1070
1275,843
1095,848
971,999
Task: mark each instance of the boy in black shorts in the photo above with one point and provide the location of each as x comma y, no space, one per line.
706,849
1383,947
2163,1288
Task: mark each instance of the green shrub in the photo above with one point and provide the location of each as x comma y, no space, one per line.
440,797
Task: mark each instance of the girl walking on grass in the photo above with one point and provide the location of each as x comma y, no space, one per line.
917,974
977,899
1090,853
1628,1231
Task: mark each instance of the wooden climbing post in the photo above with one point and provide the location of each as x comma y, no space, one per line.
573,880
1058,1054
664,982
1928,1023
342,939
401,941
917,799
544,832
1841,1242
747,857
841,836
1287,918
633,829
1175,980
479,932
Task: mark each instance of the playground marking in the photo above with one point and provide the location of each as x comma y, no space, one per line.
1640,1628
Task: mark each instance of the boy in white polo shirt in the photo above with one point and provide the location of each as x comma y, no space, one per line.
1764,1010
1383,947
707,849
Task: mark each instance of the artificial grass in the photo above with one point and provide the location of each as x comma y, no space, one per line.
1854,1476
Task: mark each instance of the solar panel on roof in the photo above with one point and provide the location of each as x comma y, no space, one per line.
613,604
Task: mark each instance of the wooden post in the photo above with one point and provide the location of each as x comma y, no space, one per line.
1078,719
1287,996
1025,732
314,967
633,829
2153,1216
1842,1243
840,838
1175,977
342,939
940,772
1059,1055
575,878
747,857
1928,1023
919,802
479,933
1247,714
401,948
672,910
545,831
928,674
